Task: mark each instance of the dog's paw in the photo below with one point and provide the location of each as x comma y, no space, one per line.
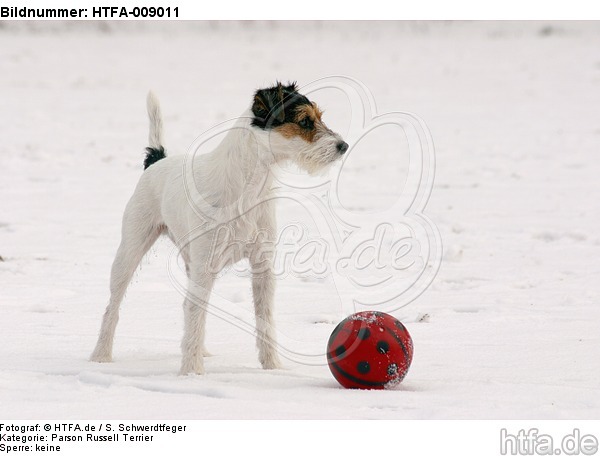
101,358
186,373
192,368
270,362
101,354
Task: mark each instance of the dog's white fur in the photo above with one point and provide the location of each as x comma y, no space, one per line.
234,185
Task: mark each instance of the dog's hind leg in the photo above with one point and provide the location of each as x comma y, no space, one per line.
138,235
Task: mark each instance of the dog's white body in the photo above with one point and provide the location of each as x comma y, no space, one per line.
228,187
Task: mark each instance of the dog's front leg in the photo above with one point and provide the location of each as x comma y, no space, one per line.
263,291
194,309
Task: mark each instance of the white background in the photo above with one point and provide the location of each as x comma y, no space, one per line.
513,315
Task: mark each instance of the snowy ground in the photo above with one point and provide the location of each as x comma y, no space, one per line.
513,314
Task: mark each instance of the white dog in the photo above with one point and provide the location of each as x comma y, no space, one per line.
234,185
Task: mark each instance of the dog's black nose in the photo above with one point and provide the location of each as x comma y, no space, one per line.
342,147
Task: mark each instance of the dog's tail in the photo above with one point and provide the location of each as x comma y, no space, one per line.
155,151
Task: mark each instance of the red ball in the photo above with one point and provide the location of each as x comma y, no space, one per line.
369,350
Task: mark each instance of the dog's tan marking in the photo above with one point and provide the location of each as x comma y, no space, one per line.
311,111
290,130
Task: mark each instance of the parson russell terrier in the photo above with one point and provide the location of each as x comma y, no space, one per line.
233,190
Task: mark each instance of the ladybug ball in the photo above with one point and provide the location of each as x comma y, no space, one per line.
369,350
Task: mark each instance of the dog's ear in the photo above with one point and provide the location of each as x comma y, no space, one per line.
291,87
268,104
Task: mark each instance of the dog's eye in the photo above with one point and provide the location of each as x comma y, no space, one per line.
307,123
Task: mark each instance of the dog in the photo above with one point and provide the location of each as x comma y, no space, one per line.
234,191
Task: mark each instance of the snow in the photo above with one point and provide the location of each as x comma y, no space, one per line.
509,327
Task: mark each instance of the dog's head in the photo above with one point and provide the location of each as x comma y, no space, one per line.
296,131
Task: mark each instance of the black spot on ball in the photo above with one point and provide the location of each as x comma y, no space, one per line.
383,347
339,352
364,333
392,369
363,367
335,333
400,326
